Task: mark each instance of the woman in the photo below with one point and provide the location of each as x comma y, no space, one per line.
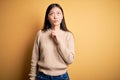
53,48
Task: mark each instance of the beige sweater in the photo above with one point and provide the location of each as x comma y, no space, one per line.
50,58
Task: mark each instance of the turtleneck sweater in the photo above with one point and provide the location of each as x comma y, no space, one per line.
49,57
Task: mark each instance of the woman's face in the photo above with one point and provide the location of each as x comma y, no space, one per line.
55,16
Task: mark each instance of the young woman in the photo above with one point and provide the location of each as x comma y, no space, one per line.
53,48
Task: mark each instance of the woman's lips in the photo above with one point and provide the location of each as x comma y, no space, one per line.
55,21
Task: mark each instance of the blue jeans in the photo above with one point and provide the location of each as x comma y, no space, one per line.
42,76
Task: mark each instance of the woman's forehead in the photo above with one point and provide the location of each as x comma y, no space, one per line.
55,9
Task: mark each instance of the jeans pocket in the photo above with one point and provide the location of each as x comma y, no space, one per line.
65,76
40,77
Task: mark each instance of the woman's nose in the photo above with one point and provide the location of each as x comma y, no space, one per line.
55,16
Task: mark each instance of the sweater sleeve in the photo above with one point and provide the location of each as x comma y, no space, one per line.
66,50
34,60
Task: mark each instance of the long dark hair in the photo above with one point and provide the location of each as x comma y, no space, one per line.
47,24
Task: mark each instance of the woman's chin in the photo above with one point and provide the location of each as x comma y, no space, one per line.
56,24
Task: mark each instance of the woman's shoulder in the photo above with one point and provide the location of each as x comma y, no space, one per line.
68,33
40,32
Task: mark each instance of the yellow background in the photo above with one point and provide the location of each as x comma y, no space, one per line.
96,28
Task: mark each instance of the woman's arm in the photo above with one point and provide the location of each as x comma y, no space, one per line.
66,50
35,57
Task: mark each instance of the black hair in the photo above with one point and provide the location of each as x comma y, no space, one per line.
47,24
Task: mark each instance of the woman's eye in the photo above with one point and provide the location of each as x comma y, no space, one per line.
58,13
50,13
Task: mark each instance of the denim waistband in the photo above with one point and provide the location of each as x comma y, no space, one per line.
41,73
42,76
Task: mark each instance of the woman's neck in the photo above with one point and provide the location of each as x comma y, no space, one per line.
56,28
